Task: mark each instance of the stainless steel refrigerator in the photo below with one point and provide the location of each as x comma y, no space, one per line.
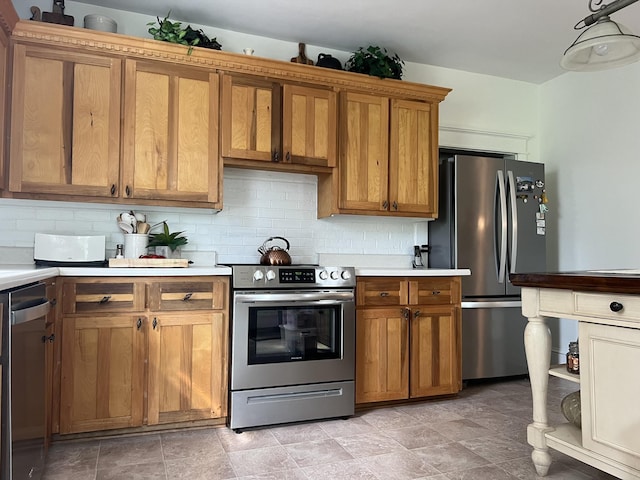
491,220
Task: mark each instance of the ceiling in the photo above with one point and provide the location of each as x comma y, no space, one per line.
517,39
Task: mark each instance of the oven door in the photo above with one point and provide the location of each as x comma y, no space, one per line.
292,338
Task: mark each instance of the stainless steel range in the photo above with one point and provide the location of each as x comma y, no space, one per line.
292,344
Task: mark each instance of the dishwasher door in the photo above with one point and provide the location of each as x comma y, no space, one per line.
28,308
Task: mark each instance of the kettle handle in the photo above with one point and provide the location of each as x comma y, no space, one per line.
264,245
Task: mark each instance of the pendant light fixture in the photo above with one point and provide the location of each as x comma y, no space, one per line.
605,43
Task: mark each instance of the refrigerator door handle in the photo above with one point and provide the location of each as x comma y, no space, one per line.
514,222
501,250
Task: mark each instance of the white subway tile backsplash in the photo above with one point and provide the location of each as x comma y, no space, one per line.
257,205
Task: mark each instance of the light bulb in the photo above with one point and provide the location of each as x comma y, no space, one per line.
601,49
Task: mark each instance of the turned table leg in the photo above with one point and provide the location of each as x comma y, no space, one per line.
537,343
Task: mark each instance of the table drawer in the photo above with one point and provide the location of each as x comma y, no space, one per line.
102,296
607,306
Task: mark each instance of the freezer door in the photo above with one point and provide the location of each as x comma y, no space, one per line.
526,230
479,224
492,340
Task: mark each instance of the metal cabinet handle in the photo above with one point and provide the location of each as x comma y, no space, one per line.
154,323
127,190
276,156
395,206
51,337
113,189
53,302
385,205
416,314
288,156
187,297
615,306
105,299
384,294
139,323
405,313
435,292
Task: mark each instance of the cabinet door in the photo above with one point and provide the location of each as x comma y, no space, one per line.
413,161
382,354
309,125
250,119
435,351
65,123
171,133
364,152
102,372
609,391
187,367
4,77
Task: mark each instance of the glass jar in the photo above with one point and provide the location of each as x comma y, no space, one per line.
573,358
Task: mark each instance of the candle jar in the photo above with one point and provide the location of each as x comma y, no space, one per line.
573,358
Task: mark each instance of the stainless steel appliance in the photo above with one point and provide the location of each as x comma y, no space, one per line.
23,385
491,221
292,344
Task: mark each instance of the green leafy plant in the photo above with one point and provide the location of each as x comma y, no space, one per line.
164,238
173,32
375,61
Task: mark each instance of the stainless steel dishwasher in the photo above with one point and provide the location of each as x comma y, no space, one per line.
23,384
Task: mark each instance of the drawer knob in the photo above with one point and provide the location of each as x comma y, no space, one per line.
384,294
435,292
615,306
105,299
187,297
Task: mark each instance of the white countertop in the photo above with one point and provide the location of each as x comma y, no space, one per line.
411,272
15,275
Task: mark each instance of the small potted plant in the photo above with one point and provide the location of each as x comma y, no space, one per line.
173,32
375,61
167,243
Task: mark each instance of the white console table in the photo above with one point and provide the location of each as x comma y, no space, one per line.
607,307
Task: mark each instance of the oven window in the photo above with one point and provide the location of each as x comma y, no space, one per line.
291,334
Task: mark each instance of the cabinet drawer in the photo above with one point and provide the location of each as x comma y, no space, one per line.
434,291
605,305
101,296
187,295
381,291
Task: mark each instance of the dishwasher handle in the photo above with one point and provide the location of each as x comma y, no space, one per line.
32,311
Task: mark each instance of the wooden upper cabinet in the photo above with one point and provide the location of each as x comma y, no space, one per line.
250,119
364,152
65,122
413,158
309,126
388,158
171,133
279,123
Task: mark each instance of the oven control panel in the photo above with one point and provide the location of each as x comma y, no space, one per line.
272,276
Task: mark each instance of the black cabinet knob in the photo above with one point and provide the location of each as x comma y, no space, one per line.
615,306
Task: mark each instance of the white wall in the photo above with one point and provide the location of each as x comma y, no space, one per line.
590,143
482,113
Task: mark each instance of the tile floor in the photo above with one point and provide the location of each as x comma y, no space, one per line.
479,435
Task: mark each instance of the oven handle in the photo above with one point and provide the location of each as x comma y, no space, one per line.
295,297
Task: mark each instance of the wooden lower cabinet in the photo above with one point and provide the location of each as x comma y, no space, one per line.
404,349
187,365
435,351
382,363
102,373
155,366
